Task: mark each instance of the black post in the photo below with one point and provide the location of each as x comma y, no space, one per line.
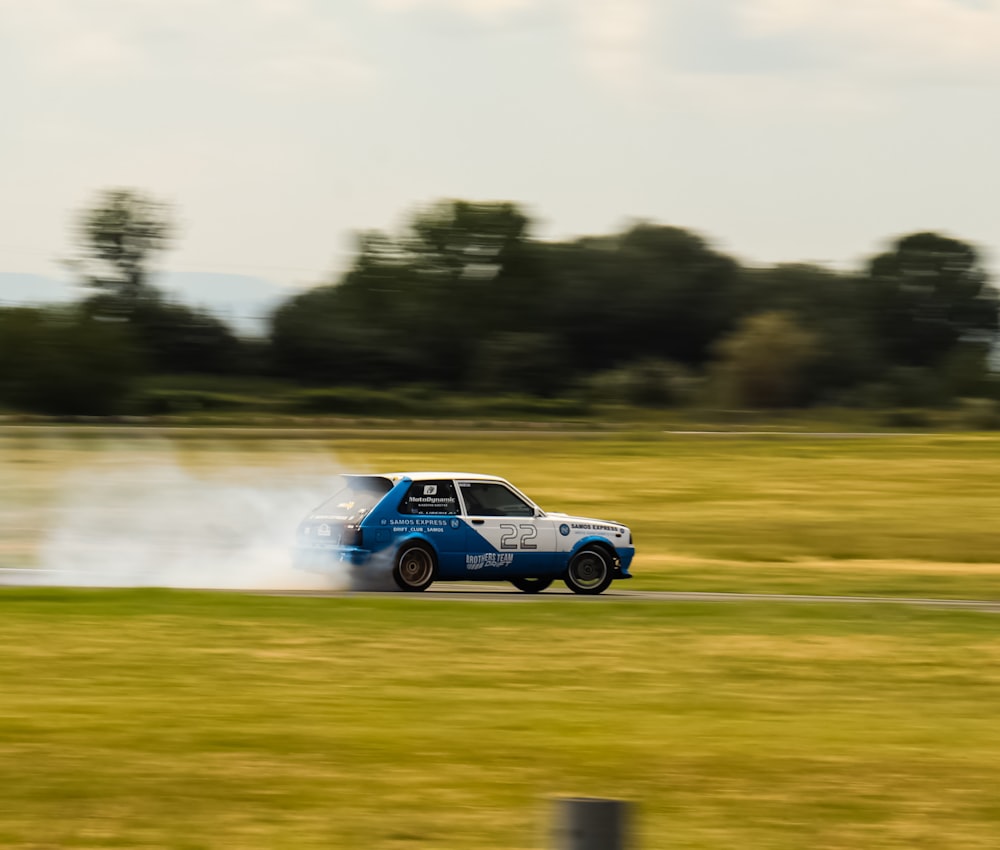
588,823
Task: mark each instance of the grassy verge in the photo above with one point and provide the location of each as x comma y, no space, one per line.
167,719
908,516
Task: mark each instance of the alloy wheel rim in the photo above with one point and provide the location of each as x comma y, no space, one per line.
589,571
415,567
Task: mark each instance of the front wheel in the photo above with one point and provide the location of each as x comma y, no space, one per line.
589,572
531,585
414,568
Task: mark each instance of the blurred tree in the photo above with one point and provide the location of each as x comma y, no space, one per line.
64,361
463,239
324,336
831,306
173,336
178,338
463,297
649,382
764,362
651,291
118,237
520,362
927,295
415,307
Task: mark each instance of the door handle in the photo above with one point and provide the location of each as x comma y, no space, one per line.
478,521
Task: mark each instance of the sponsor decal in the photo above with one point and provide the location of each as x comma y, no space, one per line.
595,526
323,530
455,523
564,530
430,489
410,522
410,525
488,559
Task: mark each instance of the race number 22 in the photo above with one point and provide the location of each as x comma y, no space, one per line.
518,536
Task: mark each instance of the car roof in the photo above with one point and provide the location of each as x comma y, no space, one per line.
423,476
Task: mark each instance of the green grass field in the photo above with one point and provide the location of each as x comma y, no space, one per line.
902,516
152,719
170,719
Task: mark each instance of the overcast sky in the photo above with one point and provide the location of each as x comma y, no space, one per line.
781,130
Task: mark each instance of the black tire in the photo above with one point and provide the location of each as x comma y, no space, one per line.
589,573
415,567
531,585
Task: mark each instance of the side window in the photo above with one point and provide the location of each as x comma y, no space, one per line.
488,498
430,497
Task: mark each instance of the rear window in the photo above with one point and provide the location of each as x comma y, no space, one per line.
430,497
355,496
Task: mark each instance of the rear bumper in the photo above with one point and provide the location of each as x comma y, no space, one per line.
329,559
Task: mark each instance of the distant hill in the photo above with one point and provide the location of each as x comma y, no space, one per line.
17,288
241,301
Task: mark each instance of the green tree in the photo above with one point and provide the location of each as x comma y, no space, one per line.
520,362
650,292
929,295
325,336
765,361
830,305
119,234
64,361
648,382
416,307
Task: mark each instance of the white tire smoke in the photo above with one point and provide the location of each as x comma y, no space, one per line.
150,523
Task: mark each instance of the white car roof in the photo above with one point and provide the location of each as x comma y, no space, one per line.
423,476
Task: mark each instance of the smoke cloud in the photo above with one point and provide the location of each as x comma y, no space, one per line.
133,522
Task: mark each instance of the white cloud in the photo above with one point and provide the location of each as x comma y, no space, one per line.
62,39
610,36
613,38
487,10
892,38
260,44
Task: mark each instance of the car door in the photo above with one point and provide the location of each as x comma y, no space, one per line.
505,534
430,510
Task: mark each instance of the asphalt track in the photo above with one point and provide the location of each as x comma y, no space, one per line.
467,592
503,592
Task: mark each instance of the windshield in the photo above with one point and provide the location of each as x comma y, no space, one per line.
354,497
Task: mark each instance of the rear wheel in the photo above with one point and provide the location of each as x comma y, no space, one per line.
531,585
589,572
414,568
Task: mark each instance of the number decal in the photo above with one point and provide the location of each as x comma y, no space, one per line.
508,539
518,537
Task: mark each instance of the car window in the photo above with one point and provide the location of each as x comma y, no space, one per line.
490,498
354,497
430,497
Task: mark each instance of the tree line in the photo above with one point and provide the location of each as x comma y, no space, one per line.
465,299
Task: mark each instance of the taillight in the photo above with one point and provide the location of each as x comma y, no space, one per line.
352,536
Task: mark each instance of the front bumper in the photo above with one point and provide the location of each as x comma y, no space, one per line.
623,560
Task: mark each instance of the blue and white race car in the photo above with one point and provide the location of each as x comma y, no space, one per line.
450,526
